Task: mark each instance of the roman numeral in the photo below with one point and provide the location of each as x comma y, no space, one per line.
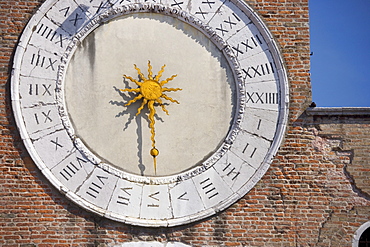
208,188
43,61
153,196
247,45
210,3
51,35
230,22
95,187
259,124
231,171
75,19
262,98
201,12
57,144
178,4
182,197
66,10
46,32
124,199
238,50
103,5
222,30
71,169
34,89
45,115
248,148
259,70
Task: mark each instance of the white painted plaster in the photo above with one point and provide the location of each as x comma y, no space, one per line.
112,131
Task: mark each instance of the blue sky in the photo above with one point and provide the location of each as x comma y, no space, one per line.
340,42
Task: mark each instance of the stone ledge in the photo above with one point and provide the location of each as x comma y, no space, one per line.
338,111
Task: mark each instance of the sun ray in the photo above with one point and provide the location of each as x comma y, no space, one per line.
150,71
142,77
142,106
135,90
165,89
159,101
134,100
167,80
160,73
170,99
133,80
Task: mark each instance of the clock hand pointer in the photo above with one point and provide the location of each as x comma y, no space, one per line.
151,90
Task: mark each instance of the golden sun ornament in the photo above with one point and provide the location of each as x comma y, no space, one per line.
151,91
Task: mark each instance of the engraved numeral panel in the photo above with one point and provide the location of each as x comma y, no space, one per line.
54,147
261,122
36,91
40,63
204,9
234,171
69,16
98,7
259,68
155,202
185,199
126,199
247,42
211,188
250,148
50,37
227,21
40,120
73,170
262,95
98,188
178,4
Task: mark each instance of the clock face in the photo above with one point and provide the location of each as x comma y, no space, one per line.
91,94
192,131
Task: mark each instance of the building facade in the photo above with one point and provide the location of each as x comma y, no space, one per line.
316,191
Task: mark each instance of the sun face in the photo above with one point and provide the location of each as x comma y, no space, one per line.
150,90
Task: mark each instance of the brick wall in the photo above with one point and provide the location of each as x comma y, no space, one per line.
314,194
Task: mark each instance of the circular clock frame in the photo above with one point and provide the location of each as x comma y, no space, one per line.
40,61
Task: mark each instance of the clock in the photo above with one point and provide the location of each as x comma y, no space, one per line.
151,113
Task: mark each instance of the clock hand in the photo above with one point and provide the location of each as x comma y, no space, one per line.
151,90
154,152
